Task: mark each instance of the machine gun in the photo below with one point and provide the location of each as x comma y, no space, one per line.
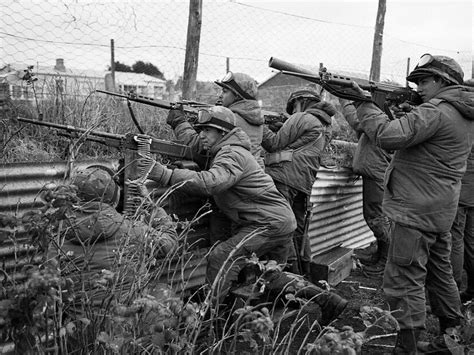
132,145
190,107
382,94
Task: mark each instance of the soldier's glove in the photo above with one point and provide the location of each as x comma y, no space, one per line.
275,126
401,109
175,117
160,173
160,218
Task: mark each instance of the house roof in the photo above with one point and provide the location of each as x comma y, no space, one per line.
50,70
136,78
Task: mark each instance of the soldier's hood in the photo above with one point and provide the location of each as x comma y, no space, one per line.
235,137
461,97
321,115
249,110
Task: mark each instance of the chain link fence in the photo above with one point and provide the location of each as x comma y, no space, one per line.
237,35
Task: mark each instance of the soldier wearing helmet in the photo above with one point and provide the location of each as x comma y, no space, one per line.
293,160
239,94
261,219
422,186
97,234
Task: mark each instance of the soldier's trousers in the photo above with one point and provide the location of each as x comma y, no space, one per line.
301,252
372,197
462,253
227,259
417,259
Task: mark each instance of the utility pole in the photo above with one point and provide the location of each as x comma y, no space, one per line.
378,40
112,63
192,49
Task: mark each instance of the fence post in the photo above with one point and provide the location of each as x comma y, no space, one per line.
378,41
192,49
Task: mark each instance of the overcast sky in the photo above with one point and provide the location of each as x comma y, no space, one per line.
338,33
439,25
444,24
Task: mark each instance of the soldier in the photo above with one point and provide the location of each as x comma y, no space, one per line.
462,231
370,161
293,161
96,233
262,219
422,186
239,94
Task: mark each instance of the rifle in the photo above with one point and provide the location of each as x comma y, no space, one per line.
190,107
382,94
132,145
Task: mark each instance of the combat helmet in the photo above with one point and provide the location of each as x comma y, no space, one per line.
307,93
219,117
438,65
96,183
241,84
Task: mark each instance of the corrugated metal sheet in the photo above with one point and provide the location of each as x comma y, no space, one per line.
21,182
336,208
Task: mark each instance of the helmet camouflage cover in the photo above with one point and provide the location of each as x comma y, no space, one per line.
219,117
96,183
444,67
308,93
241,84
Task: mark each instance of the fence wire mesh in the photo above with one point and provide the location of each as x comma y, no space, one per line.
38,32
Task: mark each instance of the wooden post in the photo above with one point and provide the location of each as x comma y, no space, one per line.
192,49
112,63
227,64
408,70
378,40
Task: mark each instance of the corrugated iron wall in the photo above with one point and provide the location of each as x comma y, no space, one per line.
337,216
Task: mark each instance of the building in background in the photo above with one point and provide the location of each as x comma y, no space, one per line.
50,81
58,81
140,84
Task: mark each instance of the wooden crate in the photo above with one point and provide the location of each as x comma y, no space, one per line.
332,266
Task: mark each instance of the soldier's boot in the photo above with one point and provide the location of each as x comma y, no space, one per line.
377,269
368,255
468,294
331,304
438,344
406,343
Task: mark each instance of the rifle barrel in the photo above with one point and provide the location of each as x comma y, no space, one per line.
282,65
69,128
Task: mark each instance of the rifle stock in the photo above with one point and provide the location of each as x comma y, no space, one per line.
341,86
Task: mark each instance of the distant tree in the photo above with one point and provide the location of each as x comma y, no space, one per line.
140,67
148,69
122,67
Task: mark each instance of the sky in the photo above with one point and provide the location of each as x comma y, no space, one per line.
446,24
336,32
